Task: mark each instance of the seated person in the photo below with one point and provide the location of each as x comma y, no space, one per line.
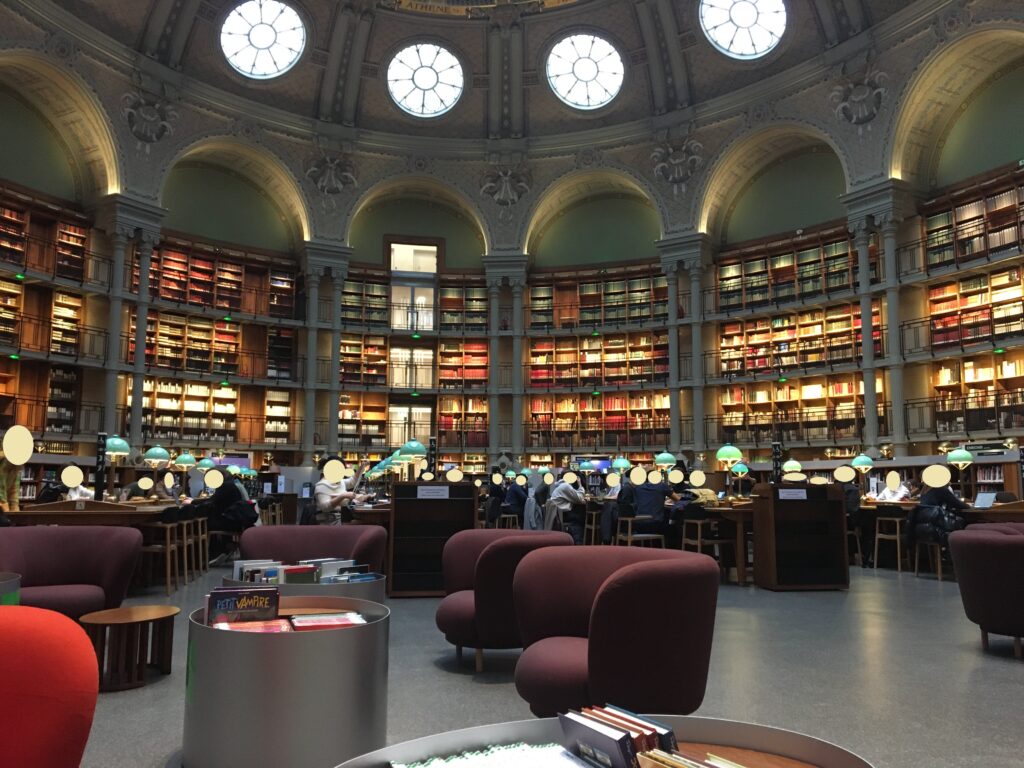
900,493
79,492
571,504
133,491
941,497
649,500
335,498
515,500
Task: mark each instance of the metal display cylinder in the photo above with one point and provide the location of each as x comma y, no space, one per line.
374,591
10,588
302,699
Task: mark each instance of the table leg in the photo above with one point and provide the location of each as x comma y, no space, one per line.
111,680
140,650
741,553
163,638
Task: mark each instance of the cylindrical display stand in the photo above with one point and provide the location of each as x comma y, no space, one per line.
302,699
10,588
374,591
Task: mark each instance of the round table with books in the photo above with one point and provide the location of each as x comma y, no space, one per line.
713,742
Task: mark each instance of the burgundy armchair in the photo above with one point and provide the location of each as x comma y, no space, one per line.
478,567
290,543
989,564
71,569
619,625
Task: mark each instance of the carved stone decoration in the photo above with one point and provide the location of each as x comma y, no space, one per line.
149,118
506,185
61,48
859,99
588,158
246,129
951,22
332,174
677,162
420,164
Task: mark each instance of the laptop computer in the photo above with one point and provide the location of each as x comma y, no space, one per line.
984,500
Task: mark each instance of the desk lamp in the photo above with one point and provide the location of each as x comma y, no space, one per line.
116,447
728,455
741,470
863,464
665,460
960,458
792,465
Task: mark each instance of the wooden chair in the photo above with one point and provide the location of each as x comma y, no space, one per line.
508,520
701,540
934,556
203,544
890,529
592,528
855,532
162,541
265,516
277,513
640,539
187,542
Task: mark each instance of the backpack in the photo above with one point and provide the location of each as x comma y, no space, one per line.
308,513
552,517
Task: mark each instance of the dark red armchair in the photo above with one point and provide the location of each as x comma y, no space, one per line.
989,564
48,684
619,625
365,544
478,568
71,569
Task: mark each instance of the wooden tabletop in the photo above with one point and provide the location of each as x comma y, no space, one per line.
130,614
127,515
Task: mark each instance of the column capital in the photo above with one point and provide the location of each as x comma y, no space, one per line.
879,202
510,266
690,251
129,216
323,258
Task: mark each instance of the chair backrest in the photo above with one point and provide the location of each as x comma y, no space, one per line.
462,551
290,543
989,563
52,555
49,682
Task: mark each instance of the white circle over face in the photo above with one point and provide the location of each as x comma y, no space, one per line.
478,482
18,445
425,80
697,478
818,480
334,472
146,483
585,71
549,478
520,480
844,474
72,476
427,476
743,29
936,476
612,479
454,475
893,480
570,477
214,479
168,481
496,478
654,477
638,475
262,39
676,476
794,477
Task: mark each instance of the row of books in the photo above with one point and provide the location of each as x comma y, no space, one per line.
324,570
256,609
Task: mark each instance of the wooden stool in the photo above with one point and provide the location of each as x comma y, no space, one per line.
856,538
890,535
277,513
203,543
592,528
508,521
641,539
167,548
701,540
187,544
934,556
124,646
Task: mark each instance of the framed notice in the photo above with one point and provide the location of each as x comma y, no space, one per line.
793,494
432,492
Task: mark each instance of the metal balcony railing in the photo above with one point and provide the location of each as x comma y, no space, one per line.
795,426
243,365
956,331
570,431
51,419
998,413
59,342
824,352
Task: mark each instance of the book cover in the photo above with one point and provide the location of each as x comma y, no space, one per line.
644,738
240,566
271,626
601,745
298,574
666,736
326,621
228,604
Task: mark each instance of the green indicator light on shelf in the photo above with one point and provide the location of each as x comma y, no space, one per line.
19,275
225,383
227,318
595,393
595,333
415,394
999,351
783,379
416,336
14,356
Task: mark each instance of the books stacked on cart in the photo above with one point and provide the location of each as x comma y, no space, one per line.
323,570
256,609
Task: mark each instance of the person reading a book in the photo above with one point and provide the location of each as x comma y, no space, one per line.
334,498
571,504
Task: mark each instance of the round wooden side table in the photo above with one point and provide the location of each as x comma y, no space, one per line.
129,639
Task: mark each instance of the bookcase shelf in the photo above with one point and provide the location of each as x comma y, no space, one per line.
62,400
614,360
66,320
462,422
462,364
976,309
13,234
463,307
591,299
791,270
364,301
11,296
187,411
979,392
364,360
281,346
193,344
609,420
362,420
278,413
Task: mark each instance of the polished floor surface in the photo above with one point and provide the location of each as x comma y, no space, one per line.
890,669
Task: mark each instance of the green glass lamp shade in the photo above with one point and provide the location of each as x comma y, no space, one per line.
665,460
526,472
231,469
728,454
862,463
621,464
792,465
740,469
117,446
413,451
511,473
586,466
156,456
185,461
205,465
542,471
960,458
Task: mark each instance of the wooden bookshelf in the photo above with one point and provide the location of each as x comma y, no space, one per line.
281,346
364,300
62,400
192,344
463,307
362,419
609,419
809,338
11,297
66,321
615,360
13,234
783,271
981,219
462,364
363,360
590,298
187,411
462,421
977,308
278,413
978,392
282,294
70,251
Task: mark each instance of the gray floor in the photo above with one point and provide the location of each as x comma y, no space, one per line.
891,669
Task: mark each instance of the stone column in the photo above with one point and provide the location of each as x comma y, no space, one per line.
517,366
312,337
697,355
115,328
144,249
493,365
337,283
675,412
862,241
898,425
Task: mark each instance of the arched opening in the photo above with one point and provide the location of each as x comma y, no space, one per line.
57,128
593,218
417,209
932,106
775,180
230,192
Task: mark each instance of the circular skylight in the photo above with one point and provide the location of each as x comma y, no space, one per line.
743,29
425,80
262,38
585,71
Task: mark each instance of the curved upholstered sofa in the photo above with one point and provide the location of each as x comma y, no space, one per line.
621,625
71,569
989,563
365,544
479,565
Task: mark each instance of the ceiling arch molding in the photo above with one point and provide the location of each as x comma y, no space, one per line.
256,164
743,158
421,187
72,108
573,188
931,100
